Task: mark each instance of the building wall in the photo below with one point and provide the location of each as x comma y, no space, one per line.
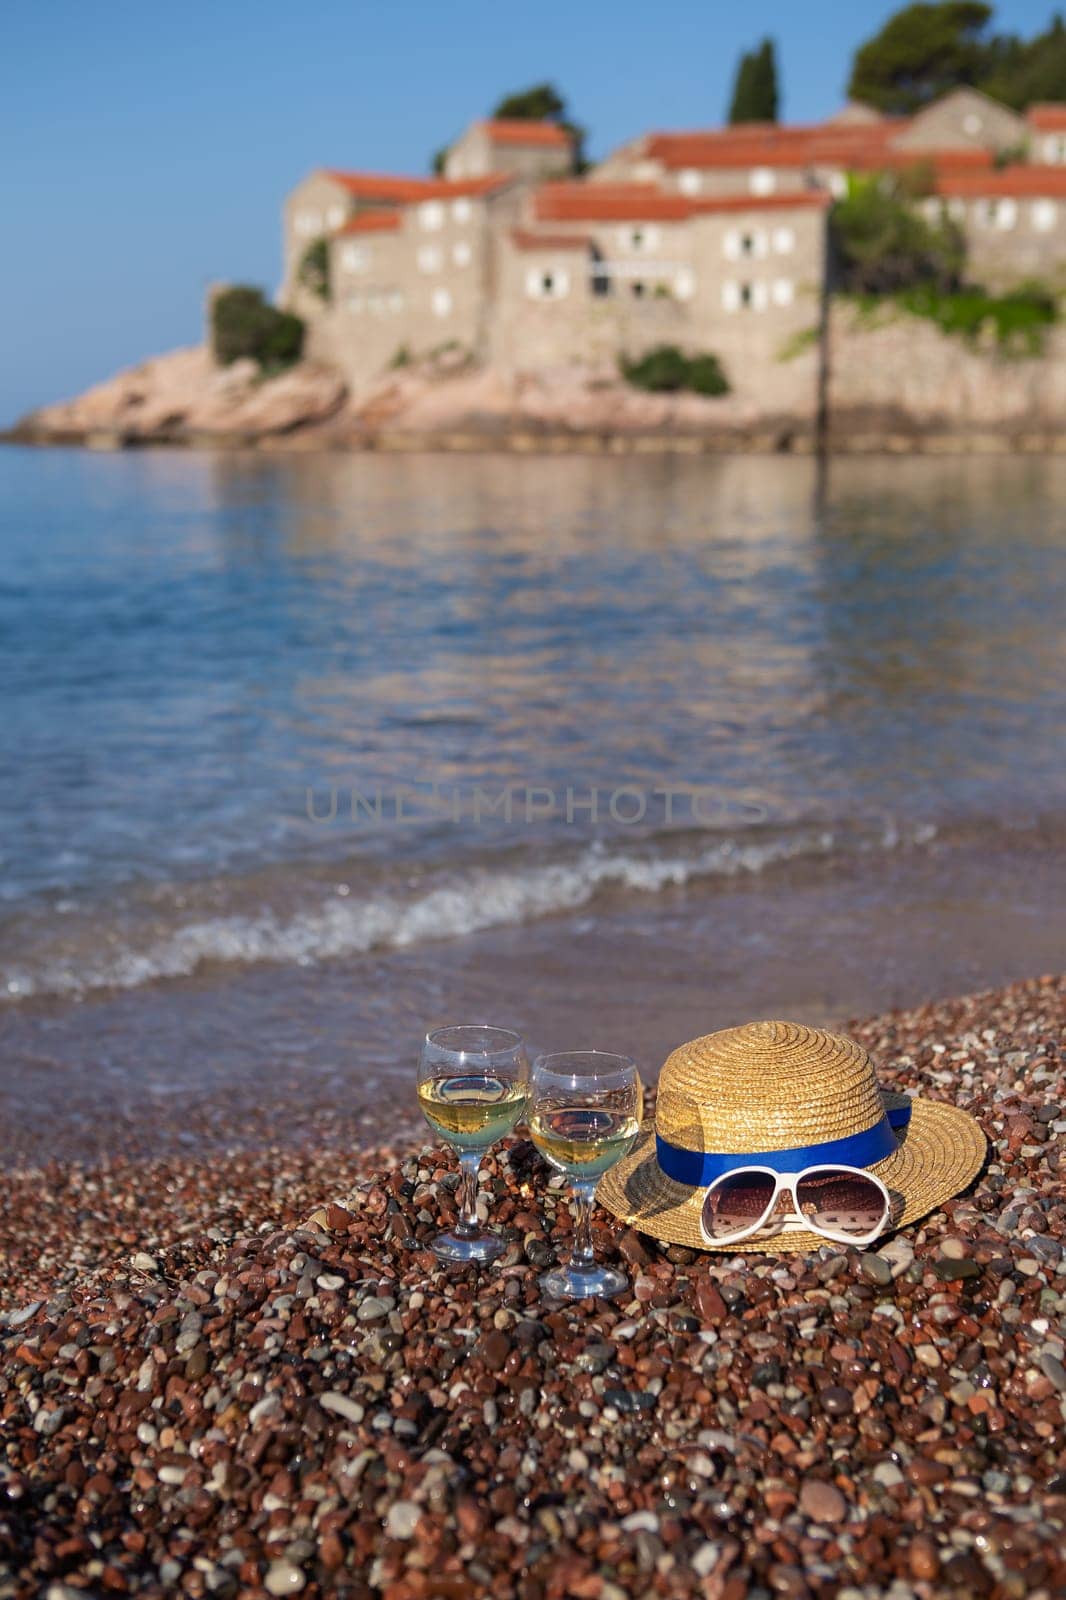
316,207
563,322
418,289
719,182
966,120
476,154
1011,240
758,285
723,277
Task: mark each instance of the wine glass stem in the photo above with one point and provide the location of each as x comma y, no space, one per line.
469,1162
581,1255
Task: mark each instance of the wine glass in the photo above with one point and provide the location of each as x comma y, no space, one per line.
584,1114
472,1082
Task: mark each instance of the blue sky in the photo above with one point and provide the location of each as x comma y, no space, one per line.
147,148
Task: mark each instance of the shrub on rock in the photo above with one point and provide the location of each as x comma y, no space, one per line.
244,324
668,370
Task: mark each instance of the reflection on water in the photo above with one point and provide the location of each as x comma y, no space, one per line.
188,643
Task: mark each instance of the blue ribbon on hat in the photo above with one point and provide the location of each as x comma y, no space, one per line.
697,1168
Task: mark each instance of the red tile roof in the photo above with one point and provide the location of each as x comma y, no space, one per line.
643,202
767,145
373,222
407,191
942,161
609,202
519,130
1048,118
1016,182
525,239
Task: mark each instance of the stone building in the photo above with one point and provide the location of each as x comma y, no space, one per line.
713,240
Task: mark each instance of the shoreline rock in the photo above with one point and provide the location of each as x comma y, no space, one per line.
182,400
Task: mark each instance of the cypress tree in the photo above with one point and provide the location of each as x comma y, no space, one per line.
755,94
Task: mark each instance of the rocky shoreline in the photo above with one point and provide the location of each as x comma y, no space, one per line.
251,1378
896,385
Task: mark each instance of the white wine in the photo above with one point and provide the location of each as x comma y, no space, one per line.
471,1110
583,1141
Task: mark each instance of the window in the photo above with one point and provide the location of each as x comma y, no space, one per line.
838,185
684,284
429,258
752,244
335,216
600,281
441,302
782,292
730,297
551,283
1055,148
638,289
689,181
957,210
1043,214
461,254
355,258
997,213
731,245
760,296
972,124
461,210
784,241
431,215
762,180
745,294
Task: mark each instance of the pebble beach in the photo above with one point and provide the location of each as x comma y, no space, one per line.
248,1376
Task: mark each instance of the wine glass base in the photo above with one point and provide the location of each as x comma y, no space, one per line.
477,1247
568,1283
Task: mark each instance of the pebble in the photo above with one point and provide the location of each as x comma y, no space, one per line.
373,1307
1053,1369
922,1559
283,1578
15,1319
762,1425
403,1519
876,1269
822,1502
342,1406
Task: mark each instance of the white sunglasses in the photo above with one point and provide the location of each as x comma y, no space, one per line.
846,1204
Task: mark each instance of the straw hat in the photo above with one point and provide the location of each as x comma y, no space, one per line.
785,1096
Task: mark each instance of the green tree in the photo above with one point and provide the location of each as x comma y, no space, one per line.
244,324
1022,71
922,52
882,244
313,272
755,94
544,103
541,103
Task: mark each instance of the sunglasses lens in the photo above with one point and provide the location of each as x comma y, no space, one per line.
844,1204
735,1203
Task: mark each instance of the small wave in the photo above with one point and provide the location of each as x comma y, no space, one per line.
481,898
